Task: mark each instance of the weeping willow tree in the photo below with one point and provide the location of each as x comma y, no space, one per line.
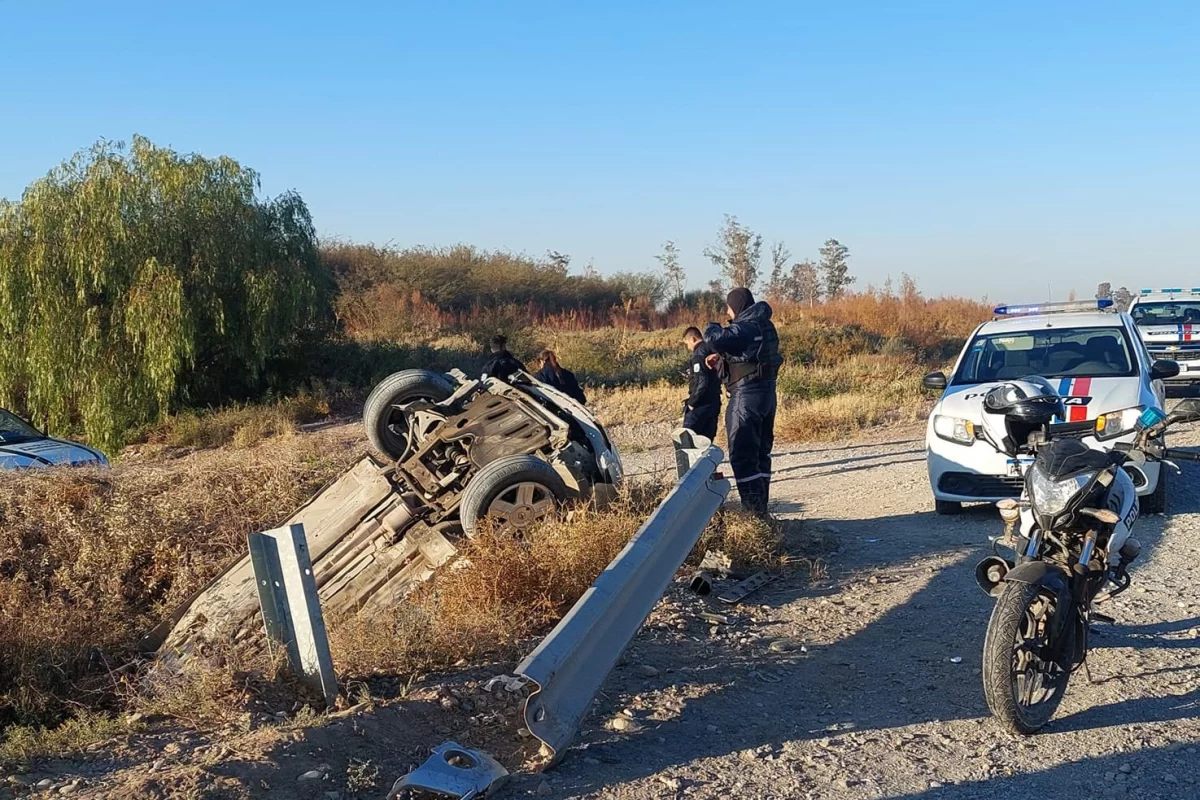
133,279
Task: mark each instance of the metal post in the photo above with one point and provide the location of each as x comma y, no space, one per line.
291,609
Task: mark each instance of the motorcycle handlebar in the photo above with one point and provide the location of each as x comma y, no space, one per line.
1182,455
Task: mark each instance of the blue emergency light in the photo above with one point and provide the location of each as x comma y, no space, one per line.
1051,308
1193,290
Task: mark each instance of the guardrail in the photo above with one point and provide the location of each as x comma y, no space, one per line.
291,610
571,663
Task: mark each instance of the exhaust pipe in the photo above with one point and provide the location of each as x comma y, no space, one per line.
990,574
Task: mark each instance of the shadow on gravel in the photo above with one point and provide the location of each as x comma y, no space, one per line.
886,671
818,448
892,670
1156,773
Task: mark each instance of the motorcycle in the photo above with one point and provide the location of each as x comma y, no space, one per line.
1069,535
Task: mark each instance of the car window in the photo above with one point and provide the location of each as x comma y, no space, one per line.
15,429
1167,312
1051,353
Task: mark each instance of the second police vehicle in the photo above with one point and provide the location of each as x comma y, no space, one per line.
1169,323
1093,358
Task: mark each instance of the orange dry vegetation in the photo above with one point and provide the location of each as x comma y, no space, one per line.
90,560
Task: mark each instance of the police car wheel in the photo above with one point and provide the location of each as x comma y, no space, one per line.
947,507
384,422
1156,501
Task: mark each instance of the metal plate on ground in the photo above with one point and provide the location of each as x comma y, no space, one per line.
742,589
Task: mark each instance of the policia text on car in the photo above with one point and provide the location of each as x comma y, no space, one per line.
747,350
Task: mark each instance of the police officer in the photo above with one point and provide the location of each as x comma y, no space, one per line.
502,363
702,408
749,349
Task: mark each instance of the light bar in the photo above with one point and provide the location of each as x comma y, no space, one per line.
1051,308
1193,290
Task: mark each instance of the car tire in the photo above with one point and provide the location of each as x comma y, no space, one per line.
947,508
1156,501
527,487
381,417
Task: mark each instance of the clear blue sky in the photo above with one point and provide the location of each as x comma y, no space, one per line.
1012,144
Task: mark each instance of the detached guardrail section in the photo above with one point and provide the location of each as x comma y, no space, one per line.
571,663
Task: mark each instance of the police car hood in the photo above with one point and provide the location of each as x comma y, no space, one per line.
1084,398
46,453
1169,334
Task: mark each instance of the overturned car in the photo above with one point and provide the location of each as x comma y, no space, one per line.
462,449
451,452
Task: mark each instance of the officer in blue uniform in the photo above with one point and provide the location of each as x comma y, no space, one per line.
702,409
748,350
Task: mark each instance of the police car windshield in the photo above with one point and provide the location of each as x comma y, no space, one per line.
1167,312
15,429
1050,353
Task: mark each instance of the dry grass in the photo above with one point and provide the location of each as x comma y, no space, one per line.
90,560
238,426
506,590
750,542
503,591
28,743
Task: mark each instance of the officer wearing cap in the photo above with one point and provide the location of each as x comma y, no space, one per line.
748,347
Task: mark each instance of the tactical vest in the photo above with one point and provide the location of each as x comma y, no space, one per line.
762,359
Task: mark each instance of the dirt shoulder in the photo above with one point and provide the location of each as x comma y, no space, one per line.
863,684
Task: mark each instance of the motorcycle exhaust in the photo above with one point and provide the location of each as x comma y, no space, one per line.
990,574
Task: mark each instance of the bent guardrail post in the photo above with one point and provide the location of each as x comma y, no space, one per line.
571,663
291,608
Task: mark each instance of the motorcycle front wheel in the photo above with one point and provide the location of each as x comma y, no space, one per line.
1022,681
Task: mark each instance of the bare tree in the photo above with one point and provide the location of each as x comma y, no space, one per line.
1104,291
909,293
672,269
835,268
804,286
777,285
737,254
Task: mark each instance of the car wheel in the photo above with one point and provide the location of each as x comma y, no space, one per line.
384,421
947,507
513,492
1156,501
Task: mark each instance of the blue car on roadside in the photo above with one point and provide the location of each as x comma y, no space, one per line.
22,446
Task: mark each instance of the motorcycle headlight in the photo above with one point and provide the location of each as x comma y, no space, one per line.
953,429
1050,497
1112,424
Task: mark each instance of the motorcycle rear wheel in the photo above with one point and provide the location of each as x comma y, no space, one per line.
1022,685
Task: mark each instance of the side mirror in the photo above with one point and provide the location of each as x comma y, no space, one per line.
935,381
1163,369
1186,411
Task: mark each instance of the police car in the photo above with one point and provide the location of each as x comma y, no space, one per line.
1169,322
1096,361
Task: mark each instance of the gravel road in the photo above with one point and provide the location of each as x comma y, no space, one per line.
864,683
887,702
